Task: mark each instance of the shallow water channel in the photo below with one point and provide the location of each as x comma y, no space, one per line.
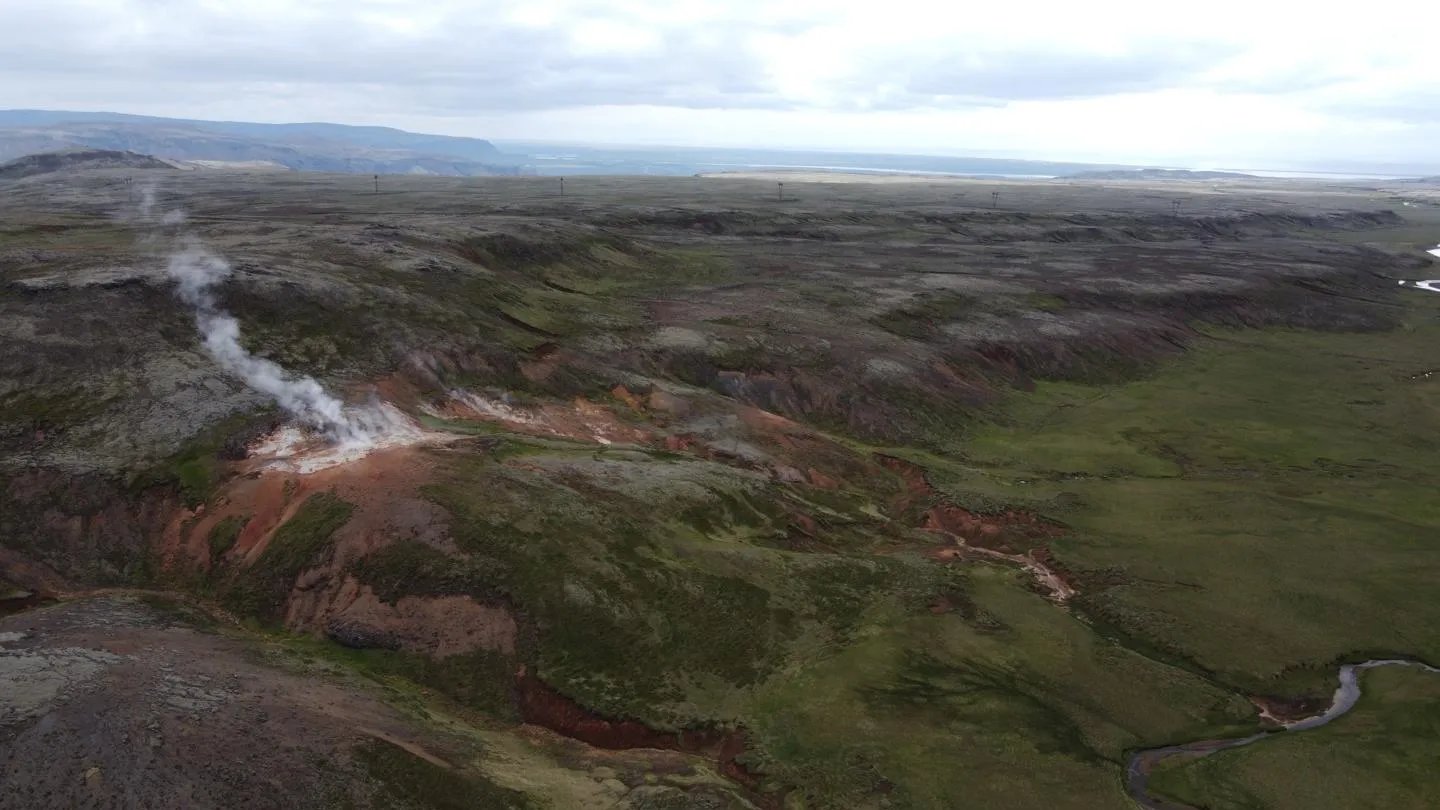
1137,772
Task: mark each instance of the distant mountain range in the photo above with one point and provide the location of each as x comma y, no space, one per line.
327,147
302,147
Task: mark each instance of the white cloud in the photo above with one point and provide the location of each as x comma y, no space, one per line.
1236,80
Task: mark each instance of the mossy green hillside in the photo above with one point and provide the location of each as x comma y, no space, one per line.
223,536
828,659
410,783
620,617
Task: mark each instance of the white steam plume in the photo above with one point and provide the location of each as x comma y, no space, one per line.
197,271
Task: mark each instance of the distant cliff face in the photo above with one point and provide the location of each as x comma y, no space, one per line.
304,147
47,162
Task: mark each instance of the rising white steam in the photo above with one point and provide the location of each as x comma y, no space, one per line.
197,271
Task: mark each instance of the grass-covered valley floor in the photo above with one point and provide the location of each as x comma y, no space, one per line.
733,502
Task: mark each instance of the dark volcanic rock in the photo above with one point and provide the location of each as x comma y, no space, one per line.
77,159
358,636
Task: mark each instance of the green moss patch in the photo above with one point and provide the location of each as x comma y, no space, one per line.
409,568
260,591
620,619
223,536
409,782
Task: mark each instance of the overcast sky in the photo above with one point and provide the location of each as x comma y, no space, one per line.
1240,83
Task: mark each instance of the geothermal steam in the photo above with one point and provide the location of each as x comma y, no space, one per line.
198,271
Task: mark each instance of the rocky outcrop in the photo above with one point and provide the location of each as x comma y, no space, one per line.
88,528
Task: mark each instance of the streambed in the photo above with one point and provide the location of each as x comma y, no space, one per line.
1137,771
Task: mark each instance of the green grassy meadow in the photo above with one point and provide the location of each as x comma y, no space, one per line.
1380,756
1259,508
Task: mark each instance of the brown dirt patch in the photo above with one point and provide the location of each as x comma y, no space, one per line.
623,394
992,537
995,532
1282,709
668,403
434,626
21,571
542,706
383,487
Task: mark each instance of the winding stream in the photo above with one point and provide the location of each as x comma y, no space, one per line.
1137,772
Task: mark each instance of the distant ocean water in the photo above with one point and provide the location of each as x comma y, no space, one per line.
1312,175
805,167
560,164
576,159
